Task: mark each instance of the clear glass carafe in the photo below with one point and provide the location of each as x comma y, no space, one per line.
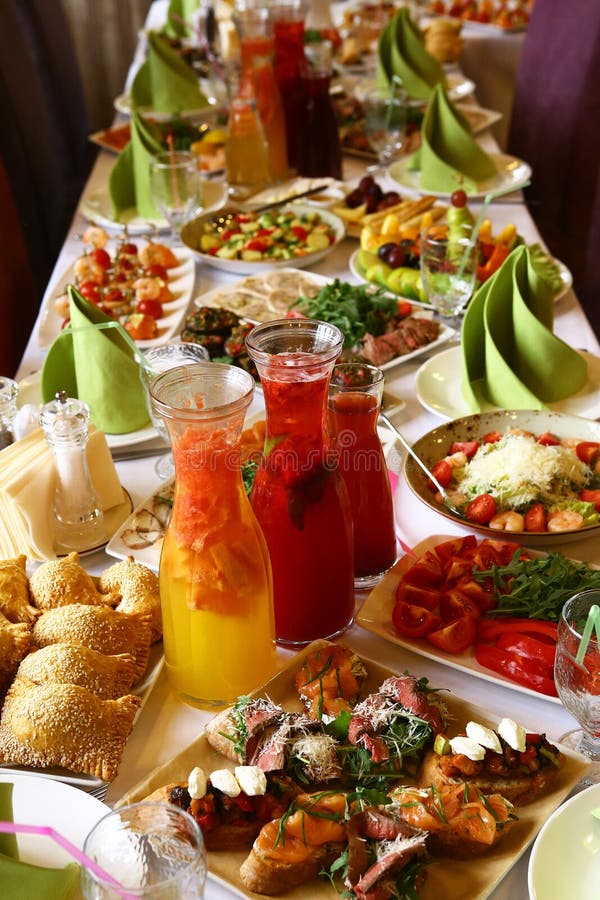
215,576
299,498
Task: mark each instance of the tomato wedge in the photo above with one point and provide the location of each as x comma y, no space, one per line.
591,496
456,547
426,572
469,448
476,591
481,509
413,621
443,472
454,604
426,597
536,518
492,437
587,451
456,637
547,439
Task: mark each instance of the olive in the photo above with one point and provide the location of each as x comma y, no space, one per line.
365,183
354,199
391,198
384,251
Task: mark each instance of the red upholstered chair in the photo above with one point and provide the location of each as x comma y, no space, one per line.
555,126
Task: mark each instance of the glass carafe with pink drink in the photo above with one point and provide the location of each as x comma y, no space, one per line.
288,31
299,498
320,153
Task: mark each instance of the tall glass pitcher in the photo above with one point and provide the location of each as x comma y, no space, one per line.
215,577
300,500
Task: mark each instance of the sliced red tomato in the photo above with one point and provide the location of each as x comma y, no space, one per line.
426,572
494,553
299,232
454,604
157,271
591,496
100,256
469,448
150,308
492,437
90,290
413,621
443,472
548,439
456,637
456,547
511,666
128,249
587,451
404,308
428,598
477,591
481,509
536,518
457,567
259,244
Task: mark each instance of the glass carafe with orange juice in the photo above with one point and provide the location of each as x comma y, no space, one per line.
355,393
246,151
215,575
300,500
258,79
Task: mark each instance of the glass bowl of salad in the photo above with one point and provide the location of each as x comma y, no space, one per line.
250,242
531,476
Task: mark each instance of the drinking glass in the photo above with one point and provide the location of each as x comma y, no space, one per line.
385,124
578,683
448,269
175,186
152,850
161,359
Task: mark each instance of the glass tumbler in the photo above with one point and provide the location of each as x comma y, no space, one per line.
578,683
448,268
175,187
355,393
152,850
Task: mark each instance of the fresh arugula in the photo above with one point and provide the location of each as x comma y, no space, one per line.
355,309
538,588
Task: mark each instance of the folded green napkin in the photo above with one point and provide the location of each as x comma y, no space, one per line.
97,366
165,83
449,157
24,881
178,10
129,183
510,357
401,52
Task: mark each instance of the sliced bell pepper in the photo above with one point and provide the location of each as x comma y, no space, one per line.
485,271
509,664
492,629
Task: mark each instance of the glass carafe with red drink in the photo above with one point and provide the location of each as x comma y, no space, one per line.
254,29
215,578
288,32
320,152
355,395
299,498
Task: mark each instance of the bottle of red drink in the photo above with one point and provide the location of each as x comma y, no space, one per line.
354,402
258,80
320,151
288,33
299,498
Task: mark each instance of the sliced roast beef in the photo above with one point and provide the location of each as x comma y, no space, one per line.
405,689
396,855
402,842
410,334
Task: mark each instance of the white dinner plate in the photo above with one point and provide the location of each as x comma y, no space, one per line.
458,87
180,283
30,392
122,104
96,207
565,859
42,801
512,173
438,388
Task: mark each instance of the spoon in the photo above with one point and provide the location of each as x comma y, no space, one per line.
443,493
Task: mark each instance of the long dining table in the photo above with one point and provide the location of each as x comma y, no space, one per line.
166,725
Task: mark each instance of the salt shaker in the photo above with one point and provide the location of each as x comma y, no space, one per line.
9,390
77,511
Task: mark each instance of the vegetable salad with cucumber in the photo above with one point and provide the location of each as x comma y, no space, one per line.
282,234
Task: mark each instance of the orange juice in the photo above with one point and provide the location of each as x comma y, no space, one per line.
246,152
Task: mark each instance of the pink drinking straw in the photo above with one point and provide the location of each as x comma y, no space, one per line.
76,853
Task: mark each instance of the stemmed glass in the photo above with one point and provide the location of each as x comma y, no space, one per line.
162,359
448,269
175,186
578,681
385,124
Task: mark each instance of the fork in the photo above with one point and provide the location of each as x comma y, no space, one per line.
99,792
442,490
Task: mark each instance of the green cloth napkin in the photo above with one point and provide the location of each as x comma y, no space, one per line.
129,183
401,52
510,356
180,9
449,157
24,881
165,83
97,366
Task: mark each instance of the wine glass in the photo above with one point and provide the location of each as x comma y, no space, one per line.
161,359
578,682
175,186
385,124
448,269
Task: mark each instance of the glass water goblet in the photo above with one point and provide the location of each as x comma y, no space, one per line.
385,124
175,186
578,683
162,359
448,269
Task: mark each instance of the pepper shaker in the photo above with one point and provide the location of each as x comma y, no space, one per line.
79,520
